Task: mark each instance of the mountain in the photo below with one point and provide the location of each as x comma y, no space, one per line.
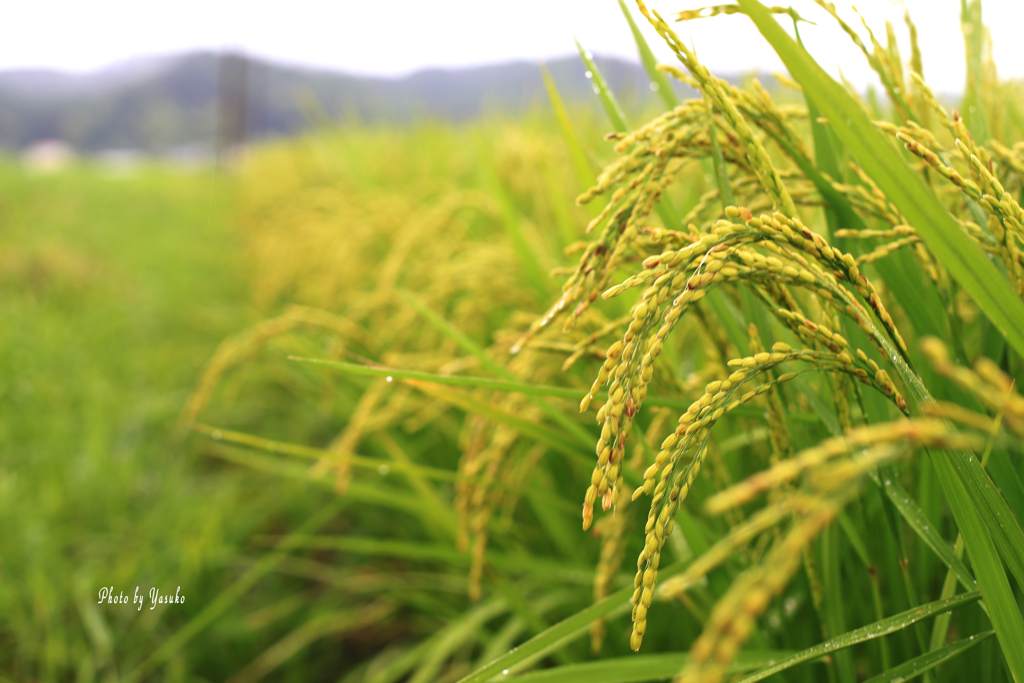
162,103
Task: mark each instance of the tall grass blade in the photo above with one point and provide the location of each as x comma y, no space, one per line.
544,390
303,636
532,271
453,636
437,552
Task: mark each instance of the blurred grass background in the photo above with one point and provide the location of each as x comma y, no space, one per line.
118,287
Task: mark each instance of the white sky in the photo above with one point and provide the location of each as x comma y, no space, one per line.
401,36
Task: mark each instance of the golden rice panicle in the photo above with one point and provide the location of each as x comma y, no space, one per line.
243,346
904,434
921,106
996,390
778,432
678,463
1006,218
886,63
346,443
488,468
713,88
734,616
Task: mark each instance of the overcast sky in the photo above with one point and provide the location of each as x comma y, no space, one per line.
401,36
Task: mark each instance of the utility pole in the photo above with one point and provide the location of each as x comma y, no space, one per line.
232,106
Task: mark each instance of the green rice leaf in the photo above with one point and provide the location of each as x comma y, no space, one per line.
661,81
637,668
611,105
521,387
919,665
919,523
569,425
454,635
286,448
566,629
866,633
581,164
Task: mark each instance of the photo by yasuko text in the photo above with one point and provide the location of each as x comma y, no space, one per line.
108,596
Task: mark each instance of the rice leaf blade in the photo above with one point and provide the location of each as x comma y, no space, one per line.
664,86
638,668
611,105
567,628
928,661
581,164
918,521
866,633
446,328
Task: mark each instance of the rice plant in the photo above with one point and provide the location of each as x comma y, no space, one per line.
801,381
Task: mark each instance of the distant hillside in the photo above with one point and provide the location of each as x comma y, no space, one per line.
159,104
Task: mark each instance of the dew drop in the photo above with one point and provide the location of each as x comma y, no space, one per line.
504,672
383,470
597,91
590,74
390,378
216,435
654,86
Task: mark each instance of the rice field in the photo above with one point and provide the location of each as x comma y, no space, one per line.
724,391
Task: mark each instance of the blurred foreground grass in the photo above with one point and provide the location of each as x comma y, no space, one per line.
113,292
